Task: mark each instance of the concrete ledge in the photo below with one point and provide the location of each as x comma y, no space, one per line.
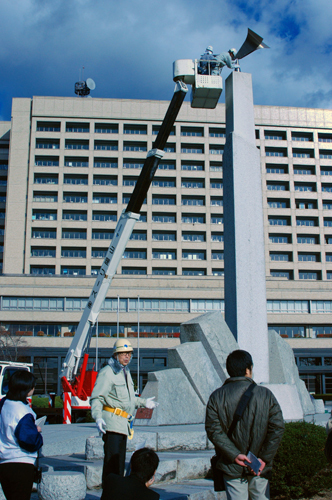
62,485
174,441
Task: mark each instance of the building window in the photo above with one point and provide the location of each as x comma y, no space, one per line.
44,215
327,188
161,271
133,164
74,215
280,152
192,183
198,201
193,272
135,129
75,234
166,165
308,275
134,254
302,187
308,257
281,274
193,219
105,163
135,146
75,197
328,257
277,186
304,170
48,126
218,272
306,204
276,169
164,254
43,233
280,256
102,234
193,236
46,161
192,131
156,128
45,179
169,148
192,148
217,219
272,135
106,128
42,270
306,222
106,146
329,275
307,240
279,221
104,216
278,203
104,198
325,155
302,136
325,171
163,236
207,305
199,166
73,252
47,197
288,306
73,271
192,255
216,150
215,166
104,180
327,205
78,127
138,236
216,184
324,137
163,200
303,153
217,237
75,179
164,182
134,270
42,251
47,143
76,162
216,201
288,331
217,132
216,255
76,144
98,253
164,218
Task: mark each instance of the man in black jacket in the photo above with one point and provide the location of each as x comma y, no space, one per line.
144,463
259,430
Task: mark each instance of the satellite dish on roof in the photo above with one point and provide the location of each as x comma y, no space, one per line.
82,88
90,84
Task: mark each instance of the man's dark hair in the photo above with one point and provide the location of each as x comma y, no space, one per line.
237,362
20,384
144,463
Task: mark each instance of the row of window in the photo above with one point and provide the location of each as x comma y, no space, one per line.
134,146
303,187
128,128
300,221
157,271
303,275
111,305
301,256
53,161
189,131
78,197
158,305
298,169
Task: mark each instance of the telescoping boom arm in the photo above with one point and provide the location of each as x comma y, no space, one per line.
122,233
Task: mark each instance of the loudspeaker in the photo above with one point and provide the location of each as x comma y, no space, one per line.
252,43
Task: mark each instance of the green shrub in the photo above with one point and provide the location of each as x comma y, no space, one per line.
43,402
300,468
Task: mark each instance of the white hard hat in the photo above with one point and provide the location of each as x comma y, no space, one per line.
209,49
233,51
122,345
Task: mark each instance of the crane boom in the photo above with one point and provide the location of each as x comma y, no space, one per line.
122,233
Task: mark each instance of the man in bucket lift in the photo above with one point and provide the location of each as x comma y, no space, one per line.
225,59
207,62
113,403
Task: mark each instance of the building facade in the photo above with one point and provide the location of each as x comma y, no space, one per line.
67,169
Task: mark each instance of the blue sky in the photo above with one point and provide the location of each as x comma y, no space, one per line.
128,47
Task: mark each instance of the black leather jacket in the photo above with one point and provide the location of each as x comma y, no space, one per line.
260,429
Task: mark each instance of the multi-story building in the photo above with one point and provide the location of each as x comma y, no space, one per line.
72,166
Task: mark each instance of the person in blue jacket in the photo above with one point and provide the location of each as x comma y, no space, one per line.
20,438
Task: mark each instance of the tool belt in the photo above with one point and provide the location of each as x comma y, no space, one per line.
118,412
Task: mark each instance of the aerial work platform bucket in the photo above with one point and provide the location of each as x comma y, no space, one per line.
206,89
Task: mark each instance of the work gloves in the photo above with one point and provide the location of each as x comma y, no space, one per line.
101,425
150,403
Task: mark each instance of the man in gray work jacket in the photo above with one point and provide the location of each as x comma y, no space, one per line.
259,430
113,403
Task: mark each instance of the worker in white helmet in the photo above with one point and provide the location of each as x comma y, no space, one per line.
225,59
113,403
207,62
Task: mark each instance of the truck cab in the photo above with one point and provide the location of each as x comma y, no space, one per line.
7,368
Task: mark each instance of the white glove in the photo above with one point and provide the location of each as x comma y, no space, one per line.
101,425
150,403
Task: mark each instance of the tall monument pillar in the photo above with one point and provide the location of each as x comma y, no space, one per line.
245,286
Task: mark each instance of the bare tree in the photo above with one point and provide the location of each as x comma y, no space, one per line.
11,345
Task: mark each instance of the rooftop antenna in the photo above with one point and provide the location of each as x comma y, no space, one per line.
82,88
